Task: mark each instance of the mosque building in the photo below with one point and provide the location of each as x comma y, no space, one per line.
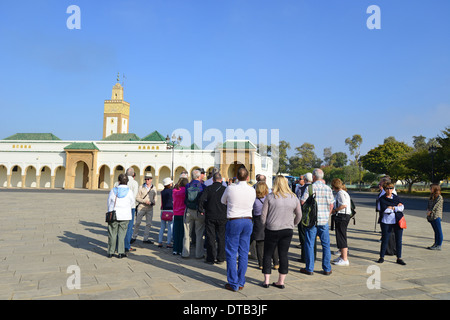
42,160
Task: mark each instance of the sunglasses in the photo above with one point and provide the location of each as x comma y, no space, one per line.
390,188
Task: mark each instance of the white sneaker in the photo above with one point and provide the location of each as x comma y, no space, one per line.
341,262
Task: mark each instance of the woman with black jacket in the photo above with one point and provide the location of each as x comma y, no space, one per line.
391,211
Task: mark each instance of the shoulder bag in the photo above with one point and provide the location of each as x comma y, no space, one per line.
111,215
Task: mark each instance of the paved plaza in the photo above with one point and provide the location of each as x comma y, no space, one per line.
42,234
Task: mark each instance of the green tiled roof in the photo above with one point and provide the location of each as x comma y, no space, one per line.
81,146
233,144
192,147
122,137
33,136
154,136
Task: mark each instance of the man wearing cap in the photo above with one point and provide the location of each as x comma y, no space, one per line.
146,198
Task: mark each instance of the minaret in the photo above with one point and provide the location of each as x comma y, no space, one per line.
116,114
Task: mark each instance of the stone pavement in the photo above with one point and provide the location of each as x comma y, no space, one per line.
42,234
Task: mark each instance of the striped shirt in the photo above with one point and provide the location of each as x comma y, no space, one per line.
324,198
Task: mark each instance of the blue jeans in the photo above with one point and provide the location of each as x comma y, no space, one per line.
310,238
129,231
237,245
437,228
169,225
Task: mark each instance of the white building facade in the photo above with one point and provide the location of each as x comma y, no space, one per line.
41,160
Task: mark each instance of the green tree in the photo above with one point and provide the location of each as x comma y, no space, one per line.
381,159
419,143
339,159
354,146
442,158
327,154
308,158
281,153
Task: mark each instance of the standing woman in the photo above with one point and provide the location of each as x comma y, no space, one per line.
121,199
342,211
391,210
434,215
167,210
179,207
262,190
280,214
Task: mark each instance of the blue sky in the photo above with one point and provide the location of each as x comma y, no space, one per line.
311,69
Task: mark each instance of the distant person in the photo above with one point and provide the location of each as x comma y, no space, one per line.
239,199
120,199
280,214
202,175
215,213
179,208
434,215
210,180
391,210
300,183
147,199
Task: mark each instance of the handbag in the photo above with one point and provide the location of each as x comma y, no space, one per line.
402,223
111,215
167,215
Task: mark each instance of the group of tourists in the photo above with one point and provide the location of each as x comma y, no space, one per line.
231,222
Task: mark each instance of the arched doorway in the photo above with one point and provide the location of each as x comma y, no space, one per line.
177,174
137,173
45,180
81,175
16,177
30,177
233,169
164,172
104,177
118,170
3,176
60,177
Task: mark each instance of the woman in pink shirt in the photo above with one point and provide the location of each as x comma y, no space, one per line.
179,207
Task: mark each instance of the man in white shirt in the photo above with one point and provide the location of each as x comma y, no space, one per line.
239,199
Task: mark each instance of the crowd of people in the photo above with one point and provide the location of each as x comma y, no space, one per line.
228,222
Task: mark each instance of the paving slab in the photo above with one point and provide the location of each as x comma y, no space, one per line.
67,229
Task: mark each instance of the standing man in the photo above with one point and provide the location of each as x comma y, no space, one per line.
239,199
325,200
193,219
146,198
215,219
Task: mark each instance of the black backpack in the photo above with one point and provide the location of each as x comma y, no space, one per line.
309,210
